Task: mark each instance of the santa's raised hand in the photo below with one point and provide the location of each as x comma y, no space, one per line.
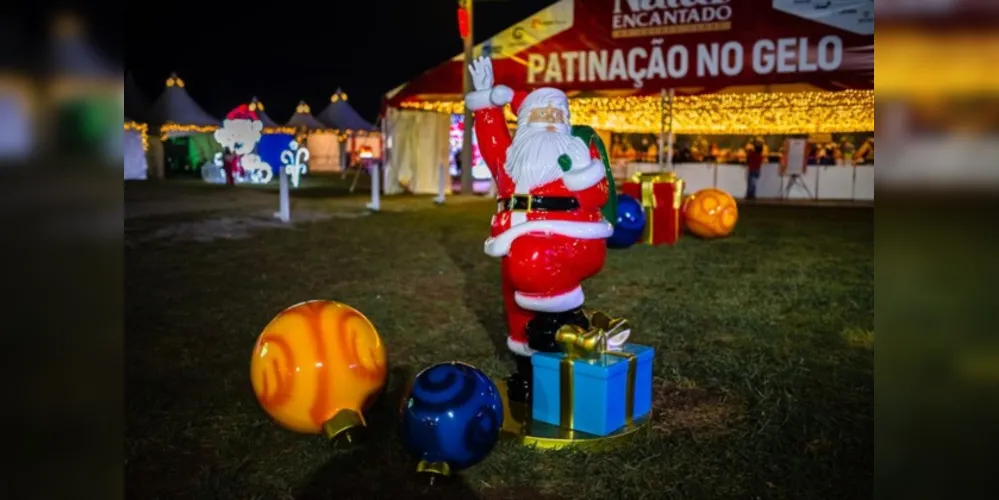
481,70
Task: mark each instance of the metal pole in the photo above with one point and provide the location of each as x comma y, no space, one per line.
376,187
343,157
466,144
384,142
442,179
669,143
662,127
284,203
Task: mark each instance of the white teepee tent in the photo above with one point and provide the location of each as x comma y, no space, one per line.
18,98
176,114
75,66
136,141
322,140
134,146
303,119
85,93
356,134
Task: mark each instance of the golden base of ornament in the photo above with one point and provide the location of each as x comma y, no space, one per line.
343,426
439,468
518,426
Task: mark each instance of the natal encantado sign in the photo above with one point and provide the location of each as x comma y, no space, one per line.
634,18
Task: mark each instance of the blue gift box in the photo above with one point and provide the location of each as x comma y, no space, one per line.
598,396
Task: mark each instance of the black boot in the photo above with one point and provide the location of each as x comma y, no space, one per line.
541,332
542,328
518,384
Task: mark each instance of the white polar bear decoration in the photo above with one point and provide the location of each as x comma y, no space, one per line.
240,133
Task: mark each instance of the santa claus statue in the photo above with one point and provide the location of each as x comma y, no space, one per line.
548,229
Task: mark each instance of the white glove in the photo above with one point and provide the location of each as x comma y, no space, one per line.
481,70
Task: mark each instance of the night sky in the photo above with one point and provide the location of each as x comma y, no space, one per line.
283,52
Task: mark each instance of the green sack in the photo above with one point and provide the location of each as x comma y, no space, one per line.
590,137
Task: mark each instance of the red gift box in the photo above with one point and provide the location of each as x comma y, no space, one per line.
661,196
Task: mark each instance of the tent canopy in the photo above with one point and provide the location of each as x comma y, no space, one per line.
176,112
340,115
303,119
73,56
615,56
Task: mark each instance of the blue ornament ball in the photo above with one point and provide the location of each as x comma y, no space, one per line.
630,222
453,413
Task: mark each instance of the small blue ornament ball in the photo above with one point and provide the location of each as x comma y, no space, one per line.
452,414
630,222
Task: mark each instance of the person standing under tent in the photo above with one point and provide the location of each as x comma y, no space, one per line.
754,163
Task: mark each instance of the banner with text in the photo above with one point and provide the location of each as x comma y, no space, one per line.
642,46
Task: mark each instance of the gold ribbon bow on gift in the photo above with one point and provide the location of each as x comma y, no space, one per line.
606,336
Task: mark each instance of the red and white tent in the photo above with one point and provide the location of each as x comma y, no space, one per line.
735,66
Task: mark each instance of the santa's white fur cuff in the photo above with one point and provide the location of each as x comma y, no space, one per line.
519,348
478,99
499,245
551,304
499,95
579,179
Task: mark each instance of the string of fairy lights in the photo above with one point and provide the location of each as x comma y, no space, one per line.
167,128
141,128
745,113
733,113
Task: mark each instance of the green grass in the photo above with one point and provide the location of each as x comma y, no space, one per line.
764,384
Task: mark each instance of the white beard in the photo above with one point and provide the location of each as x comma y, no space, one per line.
532,159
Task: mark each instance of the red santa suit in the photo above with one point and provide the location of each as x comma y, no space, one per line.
550,235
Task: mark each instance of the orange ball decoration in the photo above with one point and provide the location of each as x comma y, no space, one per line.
710,213
317,366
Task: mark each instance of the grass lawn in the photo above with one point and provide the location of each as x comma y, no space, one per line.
764,370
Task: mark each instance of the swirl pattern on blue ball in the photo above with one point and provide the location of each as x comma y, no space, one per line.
452,414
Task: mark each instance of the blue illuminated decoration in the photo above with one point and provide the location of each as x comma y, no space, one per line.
270,148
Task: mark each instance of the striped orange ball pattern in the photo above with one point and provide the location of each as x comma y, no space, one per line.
710,213
315,359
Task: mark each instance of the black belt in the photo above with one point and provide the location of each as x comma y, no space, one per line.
542,203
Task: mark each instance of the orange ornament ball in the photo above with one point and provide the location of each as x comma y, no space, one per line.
317,366
710,213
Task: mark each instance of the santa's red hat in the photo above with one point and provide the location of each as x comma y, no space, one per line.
242,112
520,101
517,100
524,102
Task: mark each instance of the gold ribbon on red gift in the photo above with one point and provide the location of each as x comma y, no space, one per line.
604,337
650,203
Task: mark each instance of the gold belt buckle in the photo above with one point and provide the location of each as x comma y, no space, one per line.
513,203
